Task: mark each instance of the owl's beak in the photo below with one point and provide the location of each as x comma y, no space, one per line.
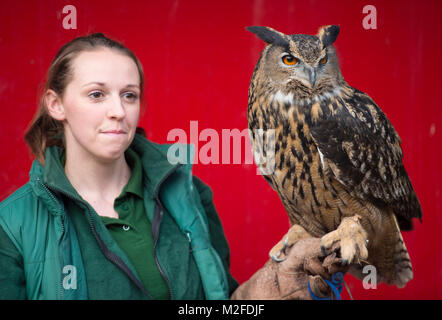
312,77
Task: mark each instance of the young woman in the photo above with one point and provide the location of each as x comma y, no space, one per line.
104,214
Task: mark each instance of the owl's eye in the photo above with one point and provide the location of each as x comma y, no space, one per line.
289,60
323,60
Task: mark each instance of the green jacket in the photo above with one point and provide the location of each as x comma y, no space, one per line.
43,249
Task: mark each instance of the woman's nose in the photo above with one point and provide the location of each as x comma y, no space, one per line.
116,108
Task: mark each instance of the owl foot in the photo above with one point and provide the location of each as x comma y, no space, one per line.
295,233
352,240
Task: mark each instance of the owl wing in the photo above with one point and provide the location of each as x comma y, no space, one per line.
363,152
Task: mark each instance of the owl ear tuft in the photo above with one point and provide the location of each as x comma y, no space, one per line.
269,35
328,35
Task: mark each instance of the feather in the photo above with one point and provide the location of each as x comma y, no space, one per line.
364,162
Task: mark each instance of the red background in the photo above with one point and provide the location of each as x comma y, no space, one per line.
198,59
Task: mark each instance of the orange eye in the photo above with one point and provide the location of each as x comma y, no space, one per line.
289,60
323,60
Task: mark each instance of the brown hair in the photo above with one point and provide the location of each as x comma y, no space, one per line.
44,131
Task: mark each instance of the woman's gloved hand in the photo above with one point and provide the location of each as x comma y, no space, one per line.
287,280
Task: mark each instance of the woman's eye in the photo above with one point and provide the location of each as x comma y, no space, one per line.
96,95
130,96
289,60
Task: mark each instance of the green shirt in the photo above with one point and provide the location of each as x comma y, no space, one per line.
133,230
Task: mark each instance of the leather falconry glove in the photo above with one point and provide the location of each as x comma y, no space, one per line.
287,280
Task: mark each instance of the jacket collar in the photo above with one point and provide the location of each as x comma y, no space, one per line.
156,166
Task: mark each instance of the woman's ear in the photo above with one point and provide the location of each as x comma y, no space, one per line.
54,105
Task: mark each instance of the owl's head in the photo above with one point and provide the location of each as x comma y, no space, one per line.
299,60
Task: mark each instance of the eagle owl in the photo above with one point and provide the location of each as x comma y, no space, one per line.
337,158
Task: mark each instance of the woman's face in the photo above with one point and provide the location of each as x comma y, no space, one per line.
101,104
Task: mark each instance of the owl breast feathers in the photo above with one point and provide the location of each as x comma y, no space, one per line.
337,159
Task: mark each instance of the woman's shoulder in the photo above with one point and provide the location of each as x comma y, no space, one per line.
206,197
204,190
19,202
20,194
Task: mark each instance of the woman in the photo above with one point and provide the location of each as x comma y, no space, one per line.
104,214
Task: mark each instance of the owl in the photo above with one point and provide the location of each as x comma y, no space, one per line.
331,154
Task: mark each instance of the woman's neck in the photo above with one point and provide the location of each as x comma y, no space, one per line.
96,180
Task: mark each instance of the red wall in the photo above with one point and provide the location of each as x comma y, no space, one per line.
198,60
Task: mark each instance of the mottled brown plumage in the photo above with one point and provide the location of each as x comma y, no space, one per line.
337,159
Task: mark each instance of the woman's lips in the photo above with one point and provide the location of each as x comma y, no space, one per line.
114,132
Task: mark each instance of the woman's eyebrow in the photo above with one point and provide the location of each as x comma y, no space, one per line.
133,86
94,82
102,84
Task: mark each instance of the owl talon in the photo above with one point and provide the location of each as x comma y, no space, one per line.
350,238
283,250
295,233
276,259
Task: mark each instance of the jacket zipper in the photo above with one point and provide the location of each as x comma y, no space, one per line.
62,234
158,217
157,227
110,255
114,258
